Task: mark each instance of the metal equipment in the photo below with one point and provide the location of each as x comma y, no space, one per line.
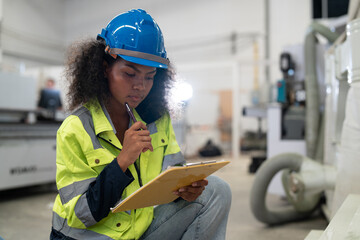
291,95
330,168
27,146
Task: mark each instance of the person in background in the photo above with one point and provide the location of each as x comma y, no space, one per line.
102,156
50,100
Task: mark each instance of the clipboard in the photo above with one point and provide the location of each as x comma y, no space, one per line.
160,189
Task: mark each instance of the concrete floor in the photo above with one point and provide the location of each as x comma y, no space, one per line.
26,213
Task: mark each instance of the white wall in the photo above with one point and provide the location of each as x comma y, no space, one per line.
33,31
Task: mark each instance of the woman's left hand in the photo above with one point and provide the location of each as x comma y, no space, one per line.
193,191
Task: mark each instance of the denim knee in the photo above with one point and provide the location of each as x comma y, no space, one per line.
220,191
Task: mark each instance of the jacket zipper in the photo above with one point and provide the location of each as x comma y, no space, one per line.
136,163
137,168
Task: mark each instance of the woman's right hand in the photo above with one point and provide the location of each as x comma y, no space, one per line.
136,140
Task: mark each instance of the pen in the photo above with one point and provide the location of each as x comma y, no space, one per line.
138,160
130,112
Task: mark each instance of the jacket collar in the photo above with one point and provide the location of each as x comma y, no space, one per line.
101,117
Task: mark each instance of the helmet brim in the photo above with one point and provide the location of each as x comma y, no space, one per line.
144,62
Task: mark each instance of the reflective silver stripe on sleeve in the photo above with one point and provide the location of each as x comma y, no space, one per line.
152,128
60,224
77,188
172,159
82,211
86,119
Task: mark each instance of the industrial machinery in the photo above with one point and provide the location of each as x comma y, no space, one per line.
27,146
285,117
291,94
328,173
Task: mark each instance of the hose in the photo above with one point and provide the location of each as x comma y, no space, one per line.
263,177
313,114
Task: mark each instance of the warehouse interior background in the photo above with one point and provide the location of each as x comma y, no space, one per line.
203,39
228,56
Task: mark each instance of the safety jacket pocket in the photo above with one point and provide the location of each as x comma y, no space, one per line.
159,139
99,158
119,222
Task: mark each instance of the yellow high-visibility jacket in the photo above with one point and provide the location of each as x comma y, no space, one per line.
90,181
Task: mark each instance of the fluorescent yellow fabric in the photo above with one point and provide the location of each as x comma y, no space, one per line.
77,162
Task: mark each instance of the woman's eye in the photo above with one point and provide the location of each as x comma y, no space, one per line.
130,74
150,78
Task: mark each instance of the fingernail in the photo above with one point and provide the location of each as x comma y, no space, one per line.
194,184
181,190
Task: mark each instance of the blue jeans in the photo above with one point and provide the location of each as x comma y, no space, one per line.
205,218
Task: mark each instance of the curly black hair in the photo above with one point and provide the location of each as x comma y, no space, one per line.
87,82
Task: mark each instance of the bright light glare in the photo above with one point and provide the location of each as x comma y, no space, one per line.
181,92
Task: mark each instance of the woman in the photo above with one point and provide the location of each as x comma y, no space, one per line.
102,156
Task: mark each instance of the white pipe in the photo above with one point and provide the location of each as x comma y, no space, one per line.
1,21
353,35
312,89
235,133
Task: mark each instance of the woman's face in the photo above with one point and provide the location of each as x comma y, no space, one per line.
129,82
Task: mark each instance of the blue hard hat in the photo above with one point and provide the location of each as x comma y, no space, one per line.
135,37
